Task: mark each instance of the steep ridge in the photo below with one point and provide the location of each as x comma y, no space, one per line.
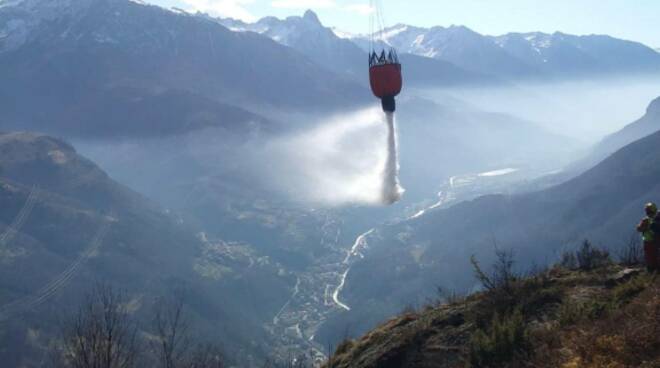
65,225
646,125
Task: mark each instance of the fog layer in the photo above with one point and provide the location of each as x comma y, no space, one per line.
586,109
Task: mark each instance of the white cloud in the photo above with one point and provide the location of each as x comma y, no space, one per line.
224,8
362,9
303,4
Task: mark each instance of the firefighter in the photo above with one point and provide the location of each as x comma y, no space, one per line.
655,228
650,237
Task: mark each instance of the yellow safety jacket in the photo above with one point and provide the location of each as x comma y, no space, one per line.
648,235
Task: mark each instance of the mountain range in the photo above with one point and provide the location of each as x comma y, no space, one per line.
131,69
511,56
66,225
522,55
321,44
120,57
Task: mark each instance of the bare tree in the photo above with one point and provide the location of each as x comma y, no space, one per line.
590,257
206,356
101,335
631,254
173,342
174,346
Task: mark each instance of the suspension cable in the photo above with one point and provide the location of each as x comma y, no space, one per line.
377,23
371,26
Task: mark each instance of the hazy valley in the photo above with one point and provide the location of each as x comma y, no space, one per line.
236,165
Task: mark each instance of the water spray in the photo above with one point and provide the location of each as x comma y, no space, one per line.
392,190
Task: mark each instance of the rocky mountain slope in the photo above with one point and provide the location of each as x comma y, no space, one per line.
64,225
179,71
646,125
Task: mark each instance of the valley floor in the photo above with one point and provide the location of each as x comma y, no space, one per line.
317,294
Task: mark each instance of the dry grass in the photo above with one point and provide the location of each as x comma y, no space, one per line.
607,316
627,336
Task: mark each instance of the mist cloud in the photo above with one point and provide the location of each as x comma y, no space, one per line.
341,161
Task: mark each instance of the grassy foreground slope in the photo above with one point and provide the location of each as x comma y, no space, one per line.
603,315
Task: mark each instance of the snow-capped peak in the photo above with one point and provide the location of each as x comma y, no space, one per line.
24,16
539,40
283,31
177,10
342,34
47,9
392,31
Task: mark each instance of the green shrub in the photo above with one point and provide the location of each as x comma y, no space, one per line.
631,254
586,258
506,338
508,292
589,257
450,297
344,347
502,275
571,313
568,261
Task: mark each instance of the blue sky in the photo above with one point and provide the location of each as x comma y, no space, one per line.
637,20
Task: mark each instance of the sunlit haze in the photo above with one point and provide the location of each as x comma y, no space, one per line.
266,183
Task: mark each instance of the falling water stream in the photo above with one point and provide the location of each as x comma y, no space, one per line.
392,190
